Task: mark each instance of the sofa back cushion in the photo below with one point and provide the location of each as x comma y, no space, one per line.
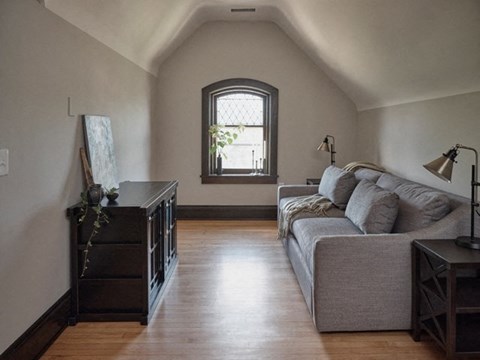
337,185
369,174
419,206
372,208
390,182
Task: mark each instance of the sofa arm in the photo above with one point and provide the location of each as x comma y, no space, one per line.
362,282
456,223
295,190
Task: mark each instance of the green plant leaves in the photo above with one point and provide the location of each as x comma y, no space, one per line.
100,218
222,137
111,191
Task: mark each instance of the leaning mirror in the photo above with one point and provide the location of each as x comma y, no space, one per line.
99,145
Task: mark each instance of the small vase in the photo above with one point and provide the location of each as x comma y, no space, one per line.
112,197
95,194
219,169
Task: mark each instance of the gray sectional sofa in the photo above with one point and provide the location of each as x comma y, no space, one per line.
356,280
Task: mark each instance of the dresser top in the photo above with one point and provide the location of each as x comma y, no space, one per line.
138,194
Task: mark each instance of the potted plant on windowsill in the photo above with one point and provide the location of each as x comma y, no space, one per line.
222,137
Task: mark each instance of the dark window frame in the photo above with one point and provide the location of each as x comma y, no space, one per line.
209,95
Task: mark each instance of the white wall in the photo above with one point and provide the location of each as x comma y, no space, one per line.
310,106
43,60
404,137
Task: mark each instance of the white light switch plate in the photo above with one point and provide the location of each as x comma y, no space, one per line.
3,162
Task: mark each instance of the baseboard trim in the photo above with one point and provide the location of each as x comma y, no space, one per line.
37,339
230,212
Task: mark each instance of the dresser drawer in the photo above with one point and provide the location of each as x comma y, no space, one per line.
104,296
112,261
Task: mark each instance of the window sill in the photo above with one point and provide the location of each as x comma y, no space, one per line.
239,179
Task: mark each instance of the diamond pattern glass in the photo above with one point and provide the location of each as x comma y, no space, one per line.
240,108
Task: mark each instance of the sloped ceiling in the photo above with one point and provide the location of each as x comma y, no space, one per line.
380,52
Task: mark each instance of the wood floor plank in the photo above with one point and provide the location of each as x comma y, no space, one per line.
233,296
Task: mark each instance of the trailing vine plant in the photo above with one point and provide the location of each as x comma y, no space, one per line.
222,137
100,218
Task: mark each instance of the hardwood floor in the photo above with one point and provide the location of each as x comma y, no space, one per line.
233,296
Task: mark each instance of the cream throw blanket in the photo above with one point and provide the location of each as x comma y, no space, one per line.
353,166
314,204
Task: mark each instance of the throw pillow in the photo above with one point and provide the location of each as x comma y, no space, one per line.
389,182
337,185
372,209
419,207
369,174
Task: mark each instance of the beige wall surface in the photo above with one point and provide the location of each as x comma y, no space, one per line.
43,60
310,106
403,138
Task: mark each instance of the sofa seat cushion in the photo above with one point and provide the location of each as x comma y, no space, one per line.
419,207
337,185
307,231
332,212
373,209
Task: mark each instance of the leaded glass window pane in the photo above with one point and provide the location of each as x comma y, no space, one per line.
240,108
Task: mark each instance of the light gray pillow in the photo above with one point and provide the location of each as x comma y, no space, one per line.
337,185
372,209
419,207
389,182
369,174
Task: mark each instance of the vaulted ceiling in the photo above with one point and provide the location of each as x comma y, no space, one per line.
379,52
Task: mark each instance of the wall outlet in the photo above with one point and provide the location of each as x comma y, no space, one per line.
3,162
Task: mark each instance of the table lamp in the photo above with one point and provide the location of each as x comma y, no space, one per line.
442,167
326,146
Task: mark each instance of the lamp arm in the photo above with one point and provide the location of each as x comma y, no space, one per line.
475,182
460,146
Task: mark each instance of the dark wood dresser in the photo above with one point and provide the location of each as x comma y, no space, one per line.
132,256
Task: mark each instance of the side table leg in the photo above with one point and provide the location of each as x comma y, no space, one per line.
451,332
416,330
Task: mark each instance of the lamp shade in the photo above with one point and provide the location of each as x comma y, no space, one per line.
443,166
324,146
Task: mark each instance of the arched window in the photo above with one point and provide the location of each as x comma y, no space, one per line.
252,156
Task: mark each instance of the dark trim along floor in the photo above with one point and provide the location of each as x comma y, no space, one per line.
36,340
230,212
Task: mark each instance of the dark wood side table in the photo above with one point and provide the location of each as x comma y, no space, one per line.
313,181
446,296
